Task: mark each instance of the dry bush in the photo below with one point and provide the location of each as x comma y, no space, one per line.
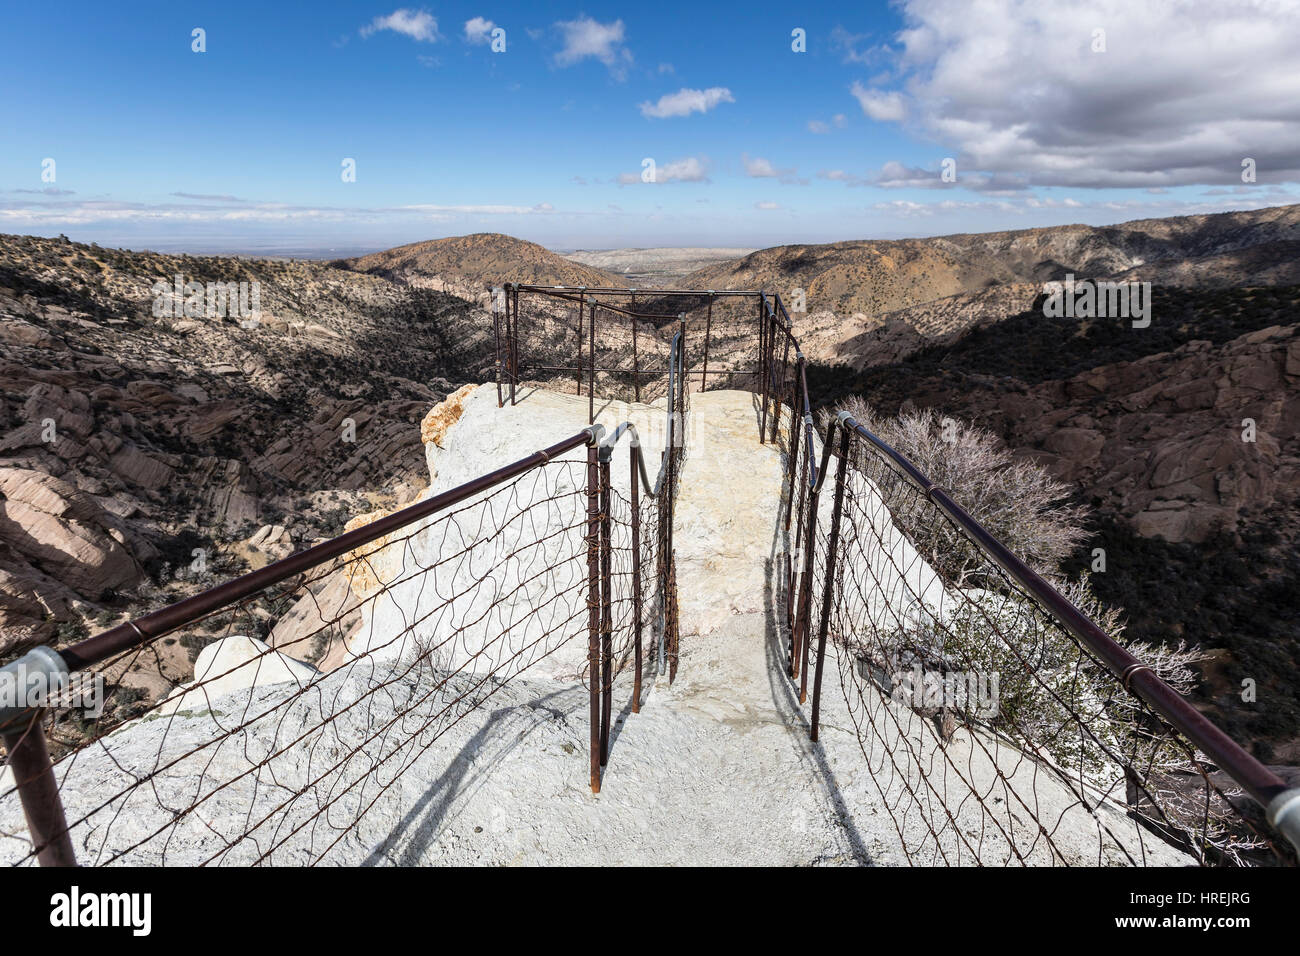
1015,499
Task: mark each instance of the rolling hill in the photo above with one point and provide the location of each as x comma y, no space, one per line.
861,280
470,265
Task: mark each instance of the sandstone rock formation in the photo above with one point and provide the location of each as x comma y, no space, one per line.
1166,440
163,436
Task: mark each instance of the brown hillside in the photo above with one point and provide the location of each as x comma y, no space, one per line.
869,278
472,264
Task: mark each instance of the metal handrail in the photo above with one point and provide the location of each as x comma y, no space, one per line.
149,627
1280,802
610,290
607,452
28,755
607,445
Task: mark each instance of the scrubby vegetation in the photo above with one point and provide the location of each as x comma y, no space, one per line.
1018,501
1236,596
1052,695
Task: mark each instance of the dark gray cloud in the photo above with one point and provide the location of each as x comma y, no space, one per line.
1181,93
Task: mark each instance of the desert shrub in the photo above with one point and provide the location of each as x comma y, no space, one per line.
1015,499
1052,696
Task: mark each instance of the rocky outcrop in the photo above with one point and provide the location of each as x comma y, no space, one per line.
31,603
230,665
64,533
185,433
1183,443
875,277
433,427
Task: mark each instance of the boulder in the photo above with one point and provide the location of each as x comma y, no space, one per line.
230,665
64,532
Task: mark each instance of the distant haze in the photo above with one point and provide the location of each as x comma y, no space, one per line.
659,265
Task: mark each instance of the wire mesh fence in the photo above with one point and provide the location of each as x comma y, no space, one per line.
992,733
618,343
280,718
286,725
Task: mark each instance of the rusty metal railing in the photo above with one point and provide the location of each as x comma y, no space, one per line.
1119,744
323,679
622,336
434,621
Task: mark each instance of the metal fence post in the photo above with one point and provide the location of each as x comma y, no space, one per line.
708,333
582,305
636,362
38,790
796,438
796,553
633,451
828,589
674,641
512,332
606,613
591,379
496,335
810,548
780,387
762,365
682,386
593,608
798,637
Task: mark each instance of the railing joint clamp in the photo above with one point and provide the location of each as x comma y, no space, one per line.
1283,811
1129,672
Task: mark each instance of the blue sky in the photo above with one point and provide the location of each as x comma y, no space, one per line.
240,147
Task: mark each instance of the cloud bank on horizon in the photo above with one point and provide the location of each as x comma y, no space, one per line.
677,126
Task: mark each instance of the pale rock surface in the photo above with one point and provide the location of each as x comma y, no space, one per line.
64,532
493,538
233,664
269,543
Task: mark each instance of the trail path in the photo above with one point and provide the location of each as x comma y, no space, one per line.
718,767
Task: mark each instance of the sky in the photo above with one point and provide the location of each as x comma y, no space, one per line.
330,128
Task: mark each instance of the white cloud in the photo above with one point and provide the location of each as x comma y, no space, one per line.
692,169
1182,93
479,30
879,104
586,37
685,101
838,121
894,175
767,204
489,209
416,24
689,170
840,176
760,168
848,43
230,209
